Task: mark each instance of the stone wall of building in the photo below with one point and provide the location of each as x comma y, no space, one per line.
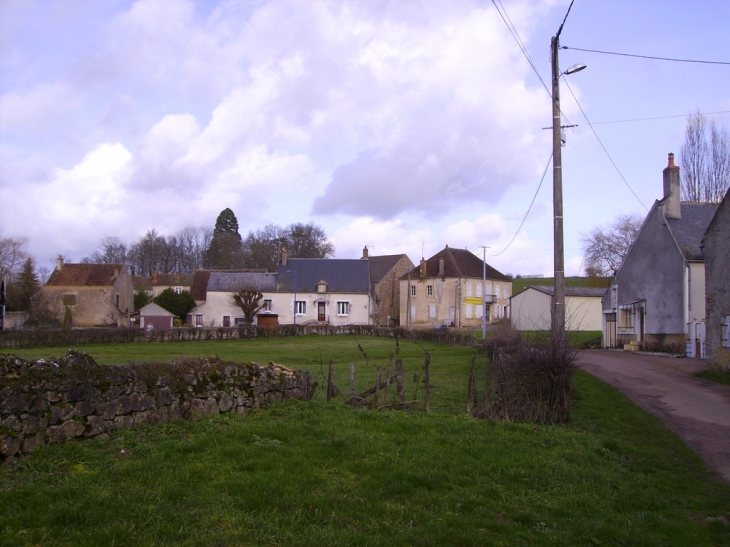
43,402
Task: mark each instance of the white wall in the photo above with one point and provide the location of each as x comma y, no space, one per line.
532,310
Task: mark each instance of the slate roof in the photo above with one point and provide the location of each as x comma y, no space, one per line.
236,281
85,275
569,291
341,275
690,229
457,263
381,265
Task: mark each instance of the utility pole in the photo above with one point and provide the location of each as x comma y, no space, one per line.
558,317
484,293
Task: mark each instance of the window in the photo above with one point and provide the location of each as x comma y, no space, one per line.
726,331
480,311
178,290
199,320
432,311
239,321
226,320
469,311
300,307
429,290
413,290
116,301
69,299
343,308
322,287
626,320
496,291
468,290
614,297
267,306
479,291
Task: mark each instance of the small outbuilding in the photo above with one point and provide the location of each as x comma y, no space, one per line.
154,317
531,308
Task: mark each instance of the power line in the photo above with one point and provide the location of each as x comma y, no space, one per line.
513,31
565,19
660,117
528,209
604,148
648,56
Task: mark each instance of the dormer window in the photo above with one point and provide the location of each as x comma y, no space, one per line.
322,287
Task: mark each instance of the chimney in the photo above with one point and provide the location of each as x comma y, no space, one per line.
154,277
670,200
365,252
283,256
441,267
59,263
423,267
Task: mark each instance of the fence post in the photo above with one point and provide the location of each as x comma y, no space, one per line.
399,382
329,380
377,387
471,390
386,397
427,381
352,384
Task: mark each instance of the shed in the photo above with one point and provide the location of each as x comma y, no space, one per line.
155,317
531,308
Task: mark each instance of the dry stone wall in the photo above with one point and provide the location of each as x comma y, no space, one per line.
45,402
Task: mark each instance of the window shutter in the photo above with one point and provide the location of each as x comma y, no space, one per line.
726,331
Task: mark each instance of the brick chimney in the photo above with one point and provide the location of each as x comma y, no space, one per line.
154,277
422,273
670,201
59,263
284,254
365,252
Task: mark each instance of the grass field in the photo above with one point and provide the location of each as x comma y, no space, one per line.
325,474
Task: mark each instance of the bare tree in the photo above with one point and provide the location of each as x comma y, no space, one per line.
606,247
111,251
250,302
705,160
11,254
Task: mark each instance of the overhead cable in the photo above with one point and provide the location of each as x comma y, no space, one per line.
648,56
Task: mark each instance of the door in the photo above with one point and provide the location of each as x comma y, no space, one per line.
320,311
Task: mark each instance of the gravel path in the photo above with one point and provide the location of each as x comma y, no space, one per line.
697,410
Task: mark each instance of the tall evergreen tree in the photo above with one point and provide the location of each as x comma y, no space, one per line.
224,252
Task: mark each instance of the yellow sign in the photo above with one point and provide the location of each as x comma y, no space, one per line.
477,301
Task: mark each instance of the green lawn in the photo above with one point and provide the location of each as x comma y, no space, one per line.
325,474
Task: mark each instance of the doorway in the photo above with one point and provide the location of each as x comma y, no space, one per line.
320,312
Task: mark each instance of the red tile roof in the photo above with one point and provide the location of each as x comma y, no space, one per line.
85,275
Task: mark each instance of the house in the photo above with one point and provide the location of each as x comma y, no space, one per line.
323,290
87,295
154,317
157,283
302,291
717,286
657,298
447,290
217,308
531,308
385,274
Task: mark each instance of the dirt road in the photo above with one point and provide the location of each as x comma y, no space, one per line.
698,411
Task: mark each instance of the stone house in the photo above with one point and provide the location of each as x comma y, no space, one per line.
88,295
532,308
717,286
156,283
447,290
385,274
657,298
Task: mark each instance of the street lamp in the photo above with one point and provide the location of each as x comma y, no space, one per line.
294,308
558,317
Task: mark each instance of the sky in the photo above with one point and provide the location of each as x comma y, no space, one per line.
402,125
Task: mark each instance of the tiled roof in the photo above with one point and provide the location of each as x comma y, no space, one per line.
381,265
85,275
690,229
199,285
171,280
153,310
457,263
141,283
341,275
236,281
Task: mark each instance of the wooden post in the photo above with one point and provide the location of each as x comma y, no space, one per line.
387,387
330,389
427,381
377,387
352,384
471,390
399,382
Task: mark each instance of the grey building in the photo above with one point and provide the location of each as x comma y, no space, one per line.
657,298
717,286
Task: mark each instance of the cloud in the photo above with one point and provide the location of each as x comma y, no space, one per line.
36,110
